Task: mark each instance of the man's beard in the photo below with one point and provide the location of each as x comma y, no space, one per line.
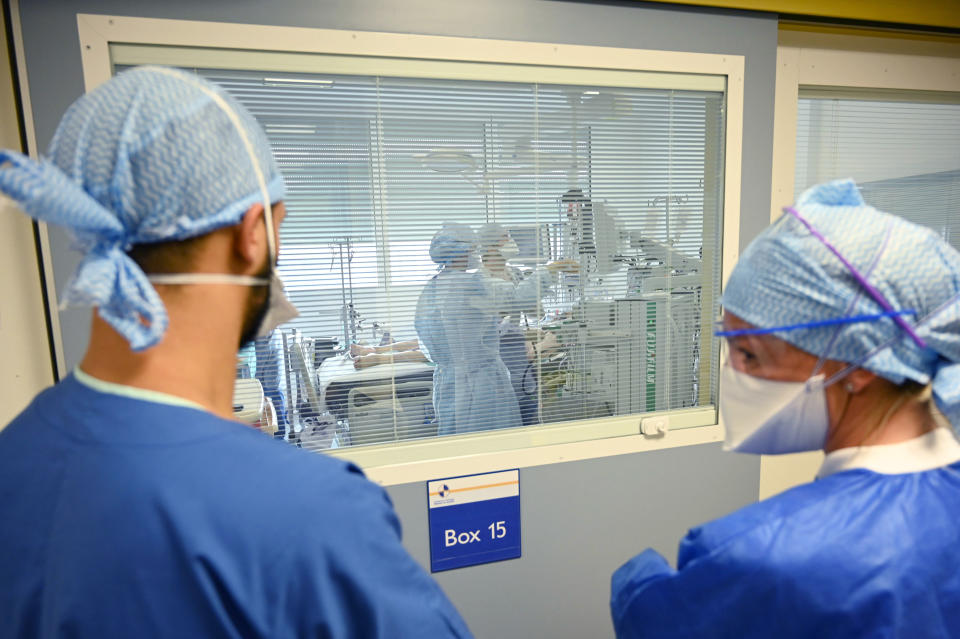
258,303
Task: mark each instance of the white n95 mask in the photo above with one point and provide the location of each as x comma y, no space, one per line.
280,309
766,417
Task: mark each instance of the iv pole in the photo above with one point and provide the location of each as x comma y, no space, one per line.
348,313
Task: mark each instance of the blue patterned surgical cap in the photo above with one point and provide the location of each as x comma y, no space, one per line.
787,276
150,156
453,241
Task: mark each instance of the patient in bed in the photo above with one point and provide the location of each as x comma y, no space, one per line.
366,356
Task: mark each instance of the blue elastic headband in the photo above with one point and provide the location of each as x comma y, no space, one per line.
827,322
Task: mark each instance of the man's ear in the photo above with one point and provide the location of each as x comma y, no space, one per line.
250,238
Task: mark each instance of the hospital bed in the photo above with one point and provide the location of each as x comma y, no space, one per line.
387,402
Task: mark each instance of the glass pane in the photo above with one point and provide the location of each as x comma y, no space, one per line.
398,341
904,155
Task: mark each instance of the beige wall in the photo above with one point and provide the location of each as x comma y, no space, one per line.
780,472
25,367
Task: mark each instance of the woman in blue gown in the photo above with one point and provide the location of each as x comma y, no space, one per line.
843,334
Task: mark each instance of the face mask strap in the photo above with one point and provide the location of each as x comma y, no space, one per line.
836,377
208,278
873,292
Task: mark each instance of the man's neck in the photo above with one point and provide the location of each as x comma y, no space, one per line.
195,360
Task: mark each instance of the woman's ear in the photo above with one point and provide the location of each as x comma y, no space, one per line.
857,380
250,239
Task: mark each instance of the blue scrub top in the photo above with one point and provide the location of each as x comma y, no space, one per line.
856,554
130,518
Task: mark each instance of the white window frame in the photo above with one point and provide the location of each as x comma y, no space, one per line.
839,60
494,450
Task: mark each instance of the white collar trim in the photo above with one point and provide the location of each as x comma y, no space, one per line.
123,390
936,449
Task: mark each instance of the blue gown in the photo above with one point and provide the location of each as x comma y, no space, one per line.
856,554
130,518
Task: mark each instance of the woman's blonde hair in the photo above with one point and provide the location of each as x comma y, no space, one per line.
908,392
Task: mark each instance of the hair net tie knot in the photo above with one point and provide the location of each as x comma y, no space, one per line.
836,193
108,279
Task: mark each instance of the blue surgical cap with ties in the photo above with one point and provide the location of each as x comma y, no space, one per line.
833,258
152,155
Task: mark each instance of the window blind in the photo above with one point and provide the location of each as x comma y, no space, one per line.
624,181
902,149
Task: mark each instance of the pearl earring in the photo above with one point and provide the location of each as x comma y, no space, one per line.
848,387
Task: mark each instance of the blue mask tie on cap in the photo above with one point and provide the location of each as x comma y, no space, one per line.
890,312
853,319
871,290
896,315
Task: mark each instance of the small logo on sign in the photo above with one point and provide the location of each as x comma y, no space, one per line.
444,491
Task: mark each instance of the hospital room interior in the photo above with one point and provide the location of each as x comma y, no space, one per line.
537,201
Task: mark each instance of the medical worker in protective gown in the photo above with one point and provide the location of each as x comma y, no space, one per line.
131,503
496,249
458,321
842,326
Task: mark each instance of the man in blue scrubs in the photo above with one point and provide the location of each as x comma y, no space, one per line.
131,505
